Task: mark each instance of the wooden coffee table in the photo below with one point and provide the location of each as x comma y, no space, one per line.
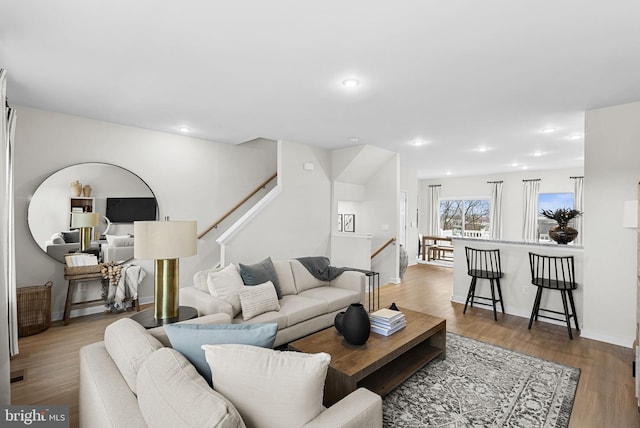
382,363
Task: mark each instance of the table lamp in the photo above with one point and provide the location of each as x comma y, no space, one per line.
165,242
85,222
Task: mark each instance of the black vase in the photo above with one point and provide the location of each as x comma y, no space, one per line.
356,326
337,322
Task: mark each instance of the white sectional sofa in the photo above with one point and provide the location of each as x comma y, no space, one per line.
307,304
133,379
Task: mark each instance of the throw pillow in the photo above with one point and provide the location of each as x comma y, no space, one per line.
71,237
269,388
172,394
200,279
57,238
226,284
258,299
189,338
261,273
112,238
128,345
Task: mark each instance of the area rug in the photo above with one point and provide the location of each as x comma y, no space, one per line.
481,385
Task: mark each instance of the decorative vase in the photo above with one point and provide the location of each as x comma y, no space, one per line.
86,190
337,322
404,261
356,326
76,188
562,233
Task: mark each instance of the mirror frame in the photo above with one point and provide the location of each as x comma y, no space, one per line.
31,220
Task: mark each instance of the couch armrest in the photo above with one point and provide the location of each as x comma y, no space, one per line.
105,399
161,335
360,409
205,303
352,280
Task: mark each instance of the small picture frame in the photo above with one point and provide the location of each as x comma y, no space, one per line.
340,223
349,222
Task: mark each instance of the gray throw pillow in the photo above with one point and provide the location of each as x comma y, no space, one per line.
71,237
260,273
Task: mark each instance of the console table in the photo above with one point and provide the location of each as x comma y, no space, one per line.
73,278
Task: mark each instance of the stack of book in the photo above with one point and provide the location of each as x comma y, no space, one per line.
387,321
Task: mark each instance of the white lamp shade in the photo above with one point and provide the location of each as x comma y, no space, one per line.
161,240
84,219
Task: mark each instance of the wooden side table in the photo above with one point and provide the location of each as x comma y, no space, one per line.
70,304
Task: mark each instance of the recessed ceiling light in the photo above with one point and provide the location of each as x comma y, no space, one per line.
575,137
548,130
538,153
515,164
482,149
418,142
525,167
354,139
184,129
350,83
448,173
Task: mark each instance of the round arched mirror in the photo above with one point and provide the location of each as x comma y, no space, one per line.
101,188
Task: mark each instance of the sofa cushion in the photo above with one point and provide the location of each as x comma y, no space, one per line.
171,393
285,277
267,317
298,308
258,299
260,273
129,345
336,298
226,284
303,278
189,338
200,279
269,388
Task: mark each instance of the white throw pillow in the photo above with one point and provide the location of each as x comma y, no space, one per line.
200,279
226,285
269,388
171,393
112,238
122,242
129,345
258,299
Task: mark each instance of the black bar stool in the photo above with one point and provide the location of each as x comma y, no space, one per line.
484,264
554,273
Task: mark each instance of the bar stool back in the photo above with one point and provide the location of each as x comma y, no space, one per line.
554,273
484,264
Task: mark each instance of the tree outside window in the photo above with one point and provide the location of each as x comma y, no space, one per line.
465,217
551,202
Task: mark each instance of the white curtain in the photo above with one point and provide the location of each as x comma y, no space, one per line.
434,211
531,189
578,204
495,219
8,330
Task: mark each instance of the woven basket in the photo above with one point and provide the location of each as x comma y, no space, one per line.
34,309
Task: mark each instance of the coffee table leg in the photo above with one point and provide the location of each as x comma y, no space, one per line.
337,386
439,340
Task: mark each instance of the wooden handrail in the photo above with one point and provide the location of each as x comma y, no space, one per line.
386,244
236,206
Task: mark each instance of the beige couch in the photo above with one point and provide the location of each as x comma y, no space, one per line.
307,304
132,379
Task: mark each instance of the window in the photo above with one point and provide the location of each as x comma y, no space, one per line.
465,217
551,201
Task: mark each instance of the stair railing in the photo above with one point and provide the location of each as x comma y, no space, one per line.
215,224
385,245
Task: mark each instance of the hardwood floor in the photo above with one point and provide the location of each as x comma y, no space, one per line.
605,396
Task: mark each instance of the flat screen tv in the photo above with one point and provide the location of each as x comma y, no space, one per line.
128,210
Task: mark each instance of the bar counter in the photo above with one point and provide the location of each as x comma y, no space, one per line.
517,291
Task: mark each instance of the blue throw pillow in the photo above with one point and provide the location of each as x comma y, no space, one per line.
188,339
260,273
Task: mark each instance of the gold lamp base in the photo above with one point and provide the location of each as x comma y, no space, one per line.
166,288
85,238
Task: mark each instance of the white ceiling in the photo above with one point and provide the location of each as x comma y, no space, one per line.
457,74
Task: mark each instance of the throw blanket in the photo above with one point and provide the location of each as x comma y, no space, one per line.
319,267
126,289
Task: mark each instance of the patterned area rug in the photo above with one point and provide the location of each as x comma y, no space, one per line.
481,385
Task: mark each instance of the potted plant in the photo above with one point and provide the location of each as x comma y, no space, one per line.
562,233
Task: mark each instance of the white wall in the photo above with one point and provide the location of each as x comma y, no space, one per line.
297,222
409,183
192,179
612,170
552,181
